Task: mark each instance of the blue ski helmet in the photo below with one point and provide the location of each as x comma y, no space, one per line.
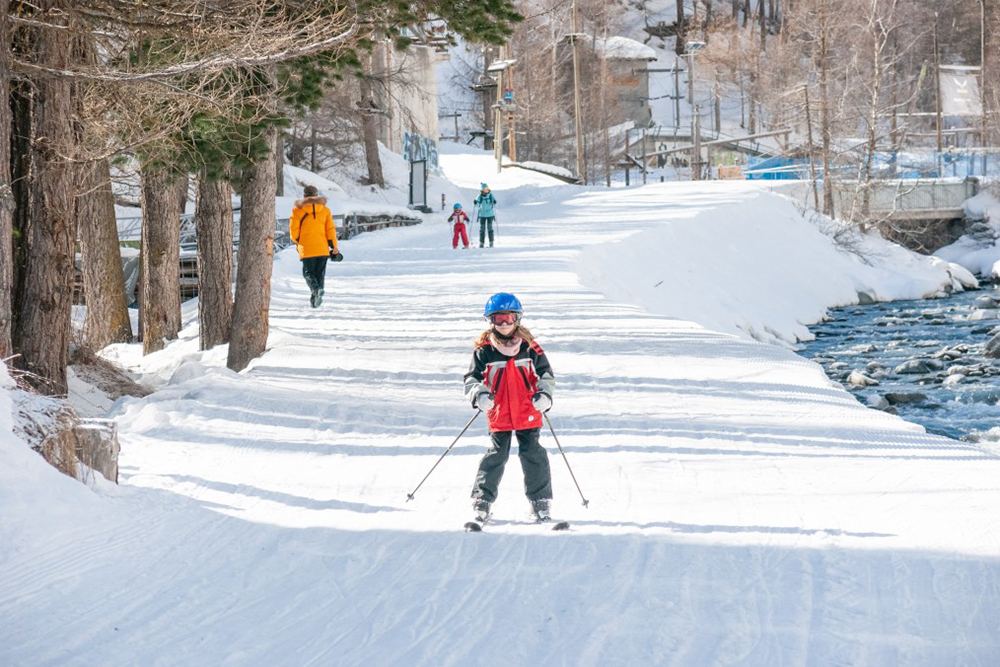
502,302
457,206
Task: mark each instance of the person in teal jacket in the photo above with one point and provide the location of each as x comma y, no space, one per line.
486,203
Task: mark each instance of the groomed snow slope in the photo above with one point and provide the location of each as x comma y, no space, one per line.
743,509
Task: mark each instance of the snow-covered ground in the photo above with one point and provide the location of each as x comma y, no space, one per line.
743,508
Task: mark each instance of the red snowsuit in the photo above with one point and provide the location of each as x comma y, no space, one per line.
460,219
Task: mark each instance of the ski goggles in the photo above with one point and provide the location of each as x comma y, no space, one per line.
503,318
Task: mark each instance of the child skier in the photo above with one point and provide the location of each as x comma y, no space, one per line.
511,381
486,203
460,218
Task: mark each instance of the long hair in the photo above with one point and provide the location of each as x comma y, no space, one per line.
521,331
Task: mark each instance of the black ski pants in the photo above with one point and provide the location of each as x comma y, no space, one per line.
314,271
484,224
534,463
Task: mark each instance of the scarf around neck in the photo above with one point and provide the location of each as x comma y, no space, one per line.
508,349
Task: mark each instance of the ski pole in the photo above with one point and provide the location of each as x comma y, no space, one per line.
586,503
409,496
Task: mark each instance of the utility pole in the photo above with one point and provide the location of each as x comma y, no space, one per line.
696,143
690,58
498,118
677,95
644,156
580,171
937,93
511,141
982,80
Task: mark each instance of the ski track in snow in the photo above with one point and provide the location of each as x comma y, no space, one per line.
743,510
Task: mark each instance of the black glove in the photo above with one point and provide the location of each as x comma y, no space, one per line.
336,256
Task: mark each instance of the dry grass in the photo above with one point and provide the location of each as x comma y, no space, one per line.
106,376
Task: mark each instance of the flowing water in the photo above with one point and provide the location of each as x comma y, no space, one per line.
950,387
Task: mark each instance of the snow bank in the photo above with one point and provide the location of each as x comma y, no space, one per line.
978,252
623,48
36,500
756,268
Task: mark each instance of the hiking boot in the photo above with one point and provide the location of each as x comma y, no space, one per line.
319,299
482,510
540,509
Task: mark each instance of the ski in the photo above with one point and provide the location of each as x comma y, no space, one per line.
477,527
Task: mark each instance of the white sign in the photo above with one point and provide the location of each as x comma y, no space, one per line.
960,95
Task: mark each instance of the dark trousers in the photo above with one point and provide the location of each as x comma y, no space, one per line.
314,271
534,463
484,224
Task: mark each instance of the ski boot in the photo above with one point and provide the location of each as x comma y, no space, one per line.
482,510
540,510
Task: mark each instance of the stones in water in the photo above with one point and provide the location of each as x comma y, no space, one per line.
918,367
929,361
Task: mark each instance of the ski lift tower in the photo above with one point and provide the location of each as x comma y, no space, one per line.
497,68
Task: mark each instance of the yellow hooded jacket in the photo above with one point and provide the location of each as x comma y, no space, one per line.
311,225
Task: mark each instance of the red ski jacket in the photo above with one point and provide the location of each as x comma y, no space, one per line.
512,382
458,217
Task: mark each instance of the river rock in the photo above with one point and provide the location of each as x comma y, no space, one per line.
859,379
877,402
992,349
980,315
918,366
954,378
865,299
874,366
837,365
948,353
986,301
901,398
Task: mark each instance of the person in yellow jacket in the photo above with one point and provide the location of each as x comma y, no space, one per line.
311,227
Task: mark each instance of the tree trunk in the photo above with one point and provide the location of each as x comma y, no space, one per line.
42,327
254,263
103,281
313,147
825,119
761,10
182,193
279,164
6,193
370,128
214,220
679,45
160,284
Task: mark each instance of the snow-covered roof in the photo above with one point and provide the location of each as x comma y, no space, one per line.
623,48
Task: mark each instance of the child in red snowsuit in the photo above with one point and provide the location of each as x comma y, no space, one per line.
510,379
460,218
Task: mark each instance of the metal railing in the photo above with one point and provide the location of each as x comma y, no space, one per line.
348,226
